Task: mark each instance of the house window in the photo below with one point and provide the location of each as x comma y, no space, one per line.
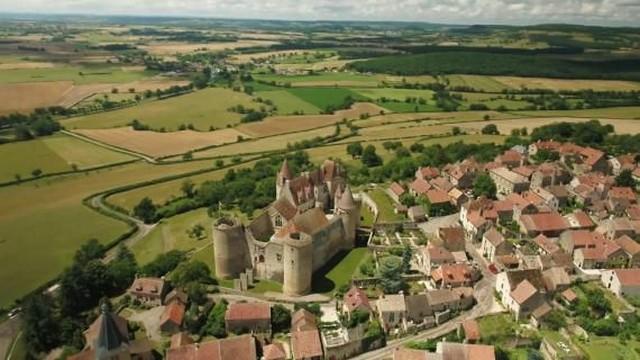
278,257
278,220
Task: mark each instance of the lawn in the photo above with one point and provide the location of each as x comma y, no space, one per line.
47,218
263,286
385,206
203,108
395,99
77,74
288,103
605,348
339,270
54,153
497,328
171,234
367,217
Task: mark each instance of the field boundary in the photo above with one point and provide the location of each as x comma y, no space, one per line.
85,138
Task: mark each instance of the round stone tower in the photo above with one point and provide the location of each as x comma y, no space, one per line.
230,247
349,212
298,265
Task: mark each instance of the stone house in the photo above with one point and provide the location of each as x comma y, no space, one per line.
622,282
452,238
434,256
355,299
242,318
148,290
392,311
521,291
494,244
454,275
631,248
508,182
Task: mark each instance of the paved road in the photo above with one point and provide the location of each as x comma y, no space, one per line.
483,292
142,228
8,331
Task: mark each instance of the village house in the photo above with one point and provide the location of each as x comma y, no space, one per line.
454,275
617,227
631,248
556,279
252,318
526,170
508,182
470,330
427,173
392,311
419,313
622,282
455,299
434,256
237,348
545,245
147,290
419,187
457,197
355,299
584,159
461,175
580,220
274,351
452,238
477,216
173,315
600,255
396,191
549,224
521,291
417,214
546,145
549,174
302,320
494,244
447,351
510,159
442,184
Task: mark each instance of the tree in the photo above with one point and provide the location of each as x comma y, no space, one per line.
456,131
145,210
122,270
355,149
197,231
215,322
83,285
407,254
219,163
164,263
391,275
490,129
484,186
187,156
188,188
626,179
196,292
36,173
22,132
40,324
369,157
91,250
408,200
192,271
391,145
280,319
555,320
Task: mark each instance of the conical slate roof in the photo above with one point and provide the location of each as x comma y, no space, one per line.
109,336
346,200
285,171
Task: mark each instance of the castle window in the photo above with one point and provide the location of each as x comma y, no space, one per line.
278,257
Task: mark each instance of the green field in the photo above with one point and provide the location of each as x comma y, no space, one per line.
54,153
339,270
323,79
77,74
202,108
288,103
170,234
42,223
492,101
324,97
395,99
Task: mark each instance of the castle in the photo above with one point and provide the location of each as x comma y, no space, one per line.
313,217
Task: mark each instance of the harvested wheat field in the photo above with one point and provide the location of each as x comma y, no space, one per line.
157,144
399,131
505,126
566,84
169,48
26,65
440,117
287,124
25,97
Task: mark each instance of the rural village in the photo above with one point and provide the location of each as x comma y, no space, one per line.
191,189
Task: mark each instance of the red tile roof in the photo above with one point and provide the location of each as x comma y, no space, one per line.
452,273
471,330
235,348
173,312
569,295
437,196
420,186
544,222
396,188
274,351
150,287
629,245
429,172
356,298
622,193
248,311
306,344
628,277
523,292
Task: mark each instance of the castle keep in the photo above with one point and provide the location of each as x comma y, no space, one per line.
313,217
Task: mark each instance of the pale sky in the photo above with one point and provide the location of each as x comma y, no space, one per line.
596,12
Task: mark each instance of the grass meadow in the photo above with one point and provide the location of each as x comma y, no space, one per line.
42,223
54,153
202,108
77,74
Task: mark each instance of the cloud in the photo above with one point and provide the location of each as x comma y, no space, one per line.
604,12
